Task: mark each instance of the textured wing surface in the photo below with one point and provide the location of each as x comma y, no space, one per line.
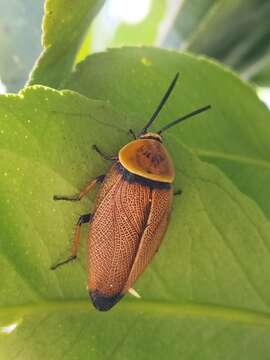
115,232
152,236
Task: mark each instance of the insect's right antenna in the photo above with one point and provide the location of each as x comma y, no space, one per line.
193,113
161,104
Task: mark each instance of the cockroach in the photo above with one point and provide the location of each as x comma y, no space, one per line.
131,212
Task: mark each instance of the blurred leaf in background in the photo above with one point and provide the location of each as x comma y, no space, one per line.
263,77
236,32
65,25
20,43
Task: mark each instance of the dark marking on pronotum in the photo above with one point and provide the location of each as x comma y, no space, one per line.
133,178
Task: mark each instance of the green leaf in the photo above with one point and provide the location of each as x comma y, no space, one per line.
235,134
19,40
235,32
204,297
262,77
187,18
64,26
85,48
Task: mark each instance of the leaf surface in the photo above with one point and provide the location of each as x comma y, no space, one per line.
205,296
65,24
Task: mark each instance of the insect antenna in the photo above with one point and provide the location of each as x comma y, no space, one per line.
161,104
193,113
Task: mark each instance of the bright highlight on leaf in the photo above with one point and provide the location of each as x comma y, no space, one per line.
264,95
8,329
129,11
2,88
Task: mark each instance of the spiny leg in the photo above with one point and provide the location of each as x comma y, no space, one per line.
104,155
83,192
76,241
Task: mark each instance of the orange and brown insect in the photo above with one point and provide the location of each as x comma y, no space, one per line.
131,213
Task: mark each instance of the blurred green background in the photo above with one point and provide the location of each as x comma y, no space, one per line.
236,32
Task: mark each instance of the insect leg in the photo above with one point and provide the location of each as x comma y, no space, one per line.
132,133
104,155
83,192
76,241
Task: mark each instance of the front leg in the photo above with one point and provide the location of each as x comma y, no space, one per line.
103,154
132,133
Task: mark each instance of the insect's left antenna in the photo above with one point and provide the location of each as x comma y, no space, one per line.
161,104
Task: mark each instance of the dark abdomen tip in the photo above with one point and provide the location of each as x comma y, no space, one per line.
104,302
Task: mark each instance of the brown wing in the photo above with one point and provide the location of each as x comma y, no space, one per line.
115,232
152,236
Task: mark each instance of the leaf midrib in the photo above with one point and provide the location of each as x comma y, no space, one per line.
230,314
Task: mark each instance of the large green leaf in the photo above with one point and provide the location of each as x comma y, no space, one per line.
204,297
235,32
235,135
64,26
19,40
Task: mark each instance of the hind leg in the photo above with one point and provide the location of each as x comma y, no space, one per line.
83,219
